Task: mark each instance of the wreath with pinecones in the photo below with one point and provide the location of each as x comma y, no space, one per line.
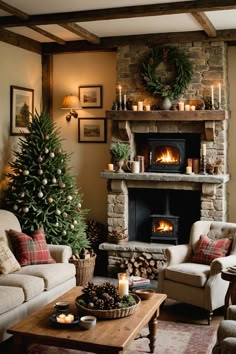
172,56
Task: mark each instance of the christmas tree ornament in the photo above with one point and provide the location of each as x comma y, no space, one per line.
47,137
22,195
75,222
50,200
40,172
52,154
62,185
69,197
46,150
25,209
59,171
64,232
79,205
44,181
57,224
54,180
72,227
26,172
57,151
40,194
15,207
65,215
40,159
58,212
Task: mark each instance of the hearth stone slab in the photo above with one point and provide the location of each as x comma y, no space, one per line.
117,253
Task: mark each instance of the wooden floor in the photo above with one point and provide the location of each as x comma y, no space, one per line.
170,311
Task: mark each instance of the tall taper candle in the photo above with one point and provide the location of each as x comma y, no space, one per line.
119,93
219,96
212,96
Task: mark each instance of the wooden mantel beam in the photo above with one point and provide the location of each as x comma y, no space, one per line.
121,12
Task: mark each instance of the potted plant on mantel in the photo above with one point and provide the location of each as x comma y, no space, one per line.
120,152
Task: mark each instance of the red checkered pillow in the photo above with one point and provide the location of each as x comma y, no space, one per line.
208,249
30,249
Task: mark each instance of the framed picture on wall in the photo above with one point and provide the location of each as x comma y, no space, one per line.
90,96
22,106
92,130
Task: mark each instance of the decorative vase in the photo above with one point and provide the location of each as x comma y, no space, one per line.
166,103
120,164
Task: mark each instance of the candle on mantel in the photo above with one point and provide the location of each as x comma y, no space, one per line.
189,170
219,96
203,149
119,93
212,96
124,99
123,284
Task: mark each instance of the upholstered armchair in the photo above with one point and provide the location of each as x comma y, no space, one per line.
226,334
191,276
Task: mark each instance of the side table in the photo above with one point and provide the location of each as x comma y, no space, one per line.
230,297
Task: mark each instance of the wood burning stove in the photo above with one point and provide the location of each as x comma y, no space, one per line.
167,155
165,226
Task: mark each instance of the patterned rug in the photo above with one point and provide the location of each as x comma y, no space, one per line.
172,337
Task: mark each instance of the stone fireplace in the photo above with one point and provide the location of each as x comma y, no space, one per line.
137,201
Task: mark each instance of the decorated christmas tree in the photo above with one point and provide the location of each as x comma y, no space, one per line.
41,190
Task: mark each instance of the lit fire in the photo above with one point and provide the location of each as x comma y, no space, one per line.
167,157
163,226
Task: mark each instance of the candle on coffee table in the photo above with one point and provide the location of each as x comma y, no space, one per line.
123,284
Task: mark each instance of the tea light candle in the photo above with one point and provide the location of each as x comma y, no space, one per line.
140,106
110,167
192,108
123,284
203,149
188,170
187,107
147,107
134,107
181,106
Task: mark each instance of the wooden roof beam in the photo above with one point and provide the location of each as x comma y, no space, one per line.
121,12
205,23
47,34
81,32
20,41
13,10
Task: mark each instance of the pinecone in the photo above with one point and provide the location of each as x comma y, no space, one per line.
108,301
110,288
99,304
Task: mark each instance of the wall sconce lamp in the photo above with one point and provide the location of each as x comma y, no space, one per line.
71,102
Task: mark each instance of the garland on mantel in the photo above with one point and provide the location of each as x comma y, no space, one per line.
169,55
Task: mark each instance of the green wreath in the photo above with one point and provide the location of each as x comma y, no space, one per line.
183,69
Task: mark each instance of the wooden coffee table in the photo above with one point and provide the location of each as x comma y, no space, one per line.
108,336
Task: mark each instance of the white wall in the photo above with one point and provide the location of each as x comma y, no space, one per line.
232,134
88,159
19,68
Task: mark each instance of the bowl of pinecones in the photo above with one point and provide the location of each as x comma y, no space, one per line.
104,302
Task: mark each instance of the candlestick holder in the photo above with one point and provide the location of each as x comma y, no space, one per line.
203,165
120,106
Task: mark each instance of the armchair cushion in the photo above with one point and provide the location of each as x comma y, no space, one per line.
30,249
188,273
208,249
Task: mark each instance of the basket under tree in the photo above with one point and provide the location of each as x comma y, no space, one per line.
42,192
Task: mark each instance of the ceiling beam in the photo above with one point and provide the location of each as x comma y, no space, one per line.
81,32
205,23
121,12
14,11
20,41
111,43
47,34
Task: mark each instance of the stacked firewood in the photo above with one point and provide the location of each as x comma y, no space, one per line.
143,266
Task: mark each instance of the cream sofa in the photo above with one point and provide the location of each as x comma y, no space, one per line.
28,289
226,334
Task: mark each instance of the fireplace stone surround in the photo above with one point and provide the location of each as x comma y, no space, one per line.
209,60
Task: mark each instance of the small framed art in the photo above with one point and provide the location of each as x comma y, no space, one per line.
90,96
92,130
22,106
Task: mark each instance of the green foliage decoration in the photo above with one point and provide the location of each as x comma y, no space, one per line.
168,55
41,190
120,151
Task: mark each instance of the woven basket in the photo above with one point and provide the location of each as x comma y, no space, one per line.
84,269
108,314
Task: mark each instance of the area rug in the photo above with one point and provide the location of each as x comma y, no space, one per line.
172,337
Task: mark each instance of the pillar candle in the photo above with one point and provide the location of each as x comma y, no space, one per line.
212,96
189,170
203,149
219,95
140,106
147,107
110,167
192,108
123,284
134,107
187,107
181,106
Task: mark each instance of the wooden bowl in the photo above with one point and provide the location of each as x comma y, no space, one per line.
144,294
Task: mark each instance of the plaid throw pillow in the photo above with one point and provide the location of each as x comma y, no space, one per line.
8,262
208,249
30,249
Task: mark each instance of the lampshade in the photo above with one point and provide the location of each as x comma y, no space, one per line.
71,102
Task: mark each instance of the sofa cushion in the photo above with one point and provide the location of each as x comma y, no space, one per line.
8,262
52,274
188,273
11,297
207,249
30,249
31,286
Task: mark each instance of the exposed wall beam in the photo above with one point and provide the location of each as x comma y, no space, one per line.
81,32
47,84
121,12
205,23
